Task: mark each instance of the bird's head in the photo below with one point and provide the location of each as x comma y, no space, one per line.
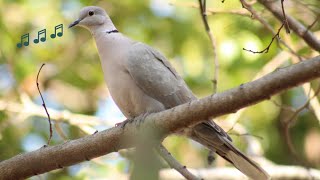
93,18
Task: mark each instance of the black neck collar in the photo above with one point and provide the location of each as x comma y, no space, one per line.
112,31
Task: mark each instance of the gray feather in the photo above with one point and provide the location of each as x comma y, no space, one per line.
222,145
141,80
156,77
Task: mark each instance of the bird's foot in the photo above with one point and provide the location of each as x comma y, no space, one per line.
124,123
140,119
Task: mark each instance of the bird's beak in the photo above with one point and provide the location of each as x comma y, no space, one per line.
74,23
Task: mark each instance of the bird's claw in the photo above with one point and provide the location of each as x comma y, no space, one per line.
123,123
140,119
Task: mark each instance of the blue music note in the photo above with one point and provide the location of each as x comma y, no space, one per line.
60,26
19,45
43,39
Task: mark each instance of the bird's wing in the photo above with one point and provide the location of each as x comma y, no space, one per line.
156,77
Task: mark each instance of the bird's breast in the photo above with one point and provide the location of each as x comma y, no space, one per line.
130,99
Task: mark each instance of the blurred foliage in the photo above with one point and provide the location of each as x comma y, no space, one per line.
73,78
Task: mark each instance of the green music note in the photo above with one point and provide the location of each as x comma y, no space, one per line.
58,27
43,39
19,45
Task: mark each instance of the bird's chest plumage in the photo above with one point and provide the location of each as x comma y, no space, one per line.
131,100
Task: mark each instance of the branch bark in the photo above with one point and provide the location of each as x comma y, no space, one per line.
295,25
167,122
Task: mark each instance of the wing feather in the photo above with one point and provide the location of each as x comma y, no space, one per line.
153,73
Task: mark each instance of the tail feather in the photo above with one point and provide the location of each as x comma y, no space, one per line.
213,137
246,165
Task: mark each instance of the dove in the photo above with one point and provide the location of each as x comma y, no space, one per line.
141,80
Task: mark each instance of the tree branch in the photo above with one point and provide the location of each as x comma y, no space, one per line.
211,11
266,50
295,25
203,13
168,121
256,16
44,106
287,123
173,163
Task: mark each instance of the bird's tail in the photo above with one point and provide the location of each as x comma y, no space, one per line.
216,139
246,165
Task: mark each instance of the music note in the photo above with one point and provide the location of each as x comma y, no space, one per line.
43,39
19,45
60,26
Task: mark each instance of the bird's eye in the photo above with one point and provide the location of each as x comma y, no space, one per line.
91,13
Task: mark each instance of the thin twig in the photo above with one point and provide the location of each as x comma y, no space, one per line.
266,50
314,102
313,23
285,20
60,131
305,105
233,125
285,107
44,106
309,37
287,124
203,13
233,119
211,11
314,8
246,134
29,109
173,163
256,16
241,134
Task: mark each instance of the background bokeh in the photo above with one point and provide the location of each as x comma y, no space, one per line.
72,80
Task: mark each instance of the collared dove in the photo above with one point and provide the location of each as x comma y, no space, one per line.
141,80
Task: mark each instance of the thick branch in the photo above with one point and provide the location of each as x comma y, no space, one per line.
295,25
167,122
